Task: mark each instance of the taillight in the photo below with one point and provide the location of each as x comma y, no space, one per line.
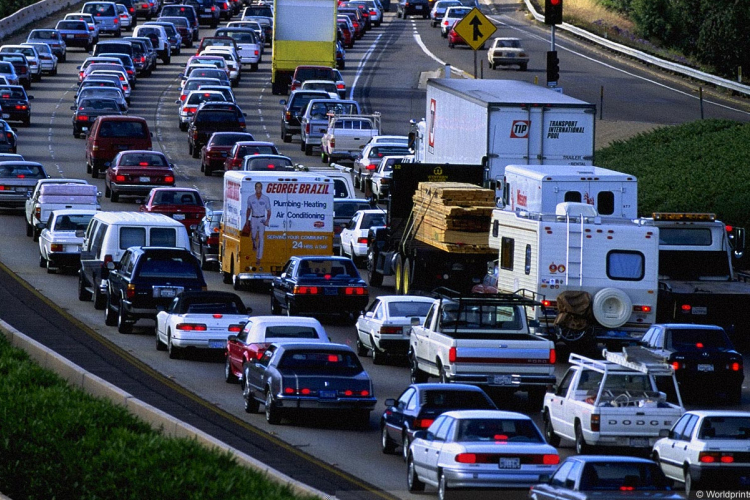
213,8
192,327
235,328
190,109
119,178
371,167
307,290
595,423
307,128
107,260
169,179
685,308
452,355
38,212
340,86
183,97
288,116
391,330
82,118
362,241
675,365
552,356
333,142
130,292
355,290
56,247
466,458
645,309
195,134
735,366
423,423
712,457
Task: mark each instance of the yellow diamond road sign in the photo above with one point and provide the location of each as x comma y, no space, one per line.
475,28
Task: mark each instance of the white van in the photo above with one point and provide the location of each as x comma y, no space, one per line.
107,237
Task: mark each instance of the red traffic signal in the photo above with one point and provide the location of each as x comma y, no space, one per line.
553,11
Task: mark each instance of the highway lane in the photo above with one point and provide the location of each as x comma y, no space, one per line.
388,83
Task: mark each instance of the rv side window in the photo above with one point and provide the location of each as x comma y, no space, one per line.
163,237
605,203
625,265
573,196
132,237
506,253
527,263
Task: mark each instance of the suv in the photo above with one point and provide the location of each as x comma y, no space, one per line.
186,11
413,8
146,279
159,39
208,11
111,134
213,117
106,16
107,237
294,107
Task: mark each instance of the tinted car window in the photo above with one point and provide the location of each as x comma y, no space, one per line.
215,116
380,151
698,340
348,208
333,268
166,267
268,163
227,139
132,237
320,362
612,476
10,171
143,160
123,129
163,237
412,309
498,430
454,399
72,25
100,9
291,332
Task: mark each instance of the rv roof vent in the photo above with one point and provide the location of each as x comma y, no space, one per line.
572,209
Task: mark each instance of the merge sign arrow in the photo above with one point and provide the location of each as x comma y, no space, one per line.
475,28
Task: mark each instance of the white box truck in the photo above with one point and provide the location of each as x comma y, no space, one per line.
503,122
269,217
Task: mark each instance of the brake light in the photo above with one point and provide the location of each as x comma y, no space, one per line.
466,458
213,8
190,109
675,365
711,457
130,292
685,308
307,128
307,290
736,367
56,247
452,355
362,241
82,118
371,166
340,86
107,260
355,290
119,178
235,328
192,327
645,309
595,423
423,423
183,97
550,459
169,179
116,20
552,356
391,330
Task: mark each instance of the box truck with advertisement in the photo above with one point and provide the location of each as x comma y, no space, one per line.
496,123
269,217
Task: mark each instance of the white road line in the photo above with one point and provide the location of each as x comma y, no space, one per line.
361,66
424,48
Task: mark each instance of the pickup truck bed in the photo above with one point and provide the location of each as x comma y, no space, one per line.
347,135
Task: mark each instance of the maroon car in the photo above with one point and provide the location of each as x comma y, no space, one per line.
217,149
181,204
136,173
236,157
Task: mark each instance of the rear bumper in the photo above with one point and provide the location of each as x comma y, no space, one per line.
328,304
497,478
135,189
287,402
505,380
61,259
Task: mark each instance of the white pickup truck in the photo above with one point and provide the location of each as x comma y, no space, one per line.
620,401
58,194
482,340
347,135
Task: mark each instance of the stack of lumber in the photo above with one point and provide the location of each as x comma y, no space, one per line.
453,216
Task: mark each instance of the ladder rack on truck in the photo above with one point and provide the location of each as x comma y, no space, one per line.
639,359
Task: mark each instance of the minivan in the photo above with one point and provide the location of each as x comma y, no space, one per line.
111,134
107,237
106,16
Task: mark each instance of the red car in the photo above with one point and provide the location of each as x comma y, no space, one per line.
217,149
348,34
136,173
236,157
455,39
182,204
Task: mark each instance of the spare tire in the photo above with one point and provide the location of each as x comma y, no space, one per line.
612,307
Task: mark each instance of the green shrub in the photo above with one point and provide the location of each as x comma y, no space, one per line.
58,442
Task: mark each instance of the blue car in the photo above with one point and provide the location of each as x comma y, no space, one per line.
76,34
53,38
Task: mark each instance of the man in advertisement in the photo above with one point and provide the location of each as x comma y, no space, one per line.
257,219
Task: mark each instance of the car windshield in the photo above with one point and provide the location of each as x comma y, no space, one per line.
291,332
408,309
168,267
725,428
72,222
348,208
320,362
498,430
372,220
698,340
214,305
473,400
618,476
99,105
328,269
381,151
143,160
16,171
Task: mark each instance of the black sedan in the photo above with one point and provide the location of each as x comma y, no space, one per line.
8,138
15,103
585,476
309,376
418,407
89,110
204,240
314,285
702,357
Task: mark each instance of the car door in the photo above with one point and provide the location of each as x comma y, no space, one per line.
365,323
117,279
255,372
443,440
557,484
672,448
236,348
423,448
557,405
163,317
348,232
394,419
281,284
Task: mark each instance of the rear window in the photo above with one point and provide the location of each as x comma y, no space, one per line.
72,25
371,220
216,116
381,151
177,198
321,362
408,309
347,208
264,150
686,339
162,266
72,222
132,237
131,130
43,35
320,110
199,97
268,164
300,101
323,268
498,430
291,332
143,160
615,476
99,105
100,10
11,171
474,400
303,74
241,37
213,305
340,189
6,93
163,237
227,139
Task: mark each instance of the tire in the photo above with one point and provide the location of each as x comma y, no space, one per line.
398,271
387,446
405,443
253,66
273,414
398,14
83,294
444,492
42,261
110,316
493,66
29,229
251,404
290,310
374,278
94,172
408,277
107,191
76,133
50,269
115,197
100,300
196,152
324,157
451,46
35,234
412,480
183,126
582,448
275,306
229,377
226,278
361,349
160,346
378,356
611,307
302,145
549,431
174,352
690,483
417,375
734,395
123,326
523,67
308,149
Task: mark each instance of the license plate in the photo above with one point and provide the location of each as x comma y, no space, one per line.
207,11
331,291
418,7
21,190
700,310
6,115
510,463
501,380
123,146
217,344
167,292
178,216
705,368
328,394
144,179
639,442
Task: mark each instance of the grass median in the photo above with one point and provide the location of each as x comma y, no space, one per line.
58,442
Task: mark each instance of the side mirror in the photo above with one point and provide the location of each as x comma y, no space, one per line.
171,165
282,102
283,276
665,433
420,435
40,225
232,338
415,322
176,101
390,402
107,164
151,134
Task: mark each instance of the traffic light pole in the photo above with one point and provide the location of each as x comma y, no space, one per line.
552,38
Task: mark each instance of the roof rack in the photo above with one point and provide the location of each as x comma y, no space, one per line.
520,297
640,359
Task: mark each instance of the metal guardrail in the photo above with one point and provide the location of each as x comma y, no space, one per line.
637,54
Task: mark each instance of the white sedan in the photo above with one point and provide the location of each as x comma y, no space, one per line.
479,449
61,239
354,236
202,320
707,450
383,328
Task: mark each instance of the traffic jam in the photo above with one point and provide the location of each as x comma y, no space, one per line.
488,300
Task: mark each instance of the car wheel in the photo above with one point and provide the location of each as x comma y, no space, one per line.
308,149
378,356
183,127
229,377
387,446
123,326
208,171
405,443
273,414
451,45
76,133
291,310
115,197
398,14
35,234
160,346
94,172
110,316
549,431
444,493
29,229
107,191
523,67
196,152
417,375
374,278
361,349
734,395
205,265
253,66
690,483
42,261
226,278
412,480
275,306
100,299
50,269
251,404
83,294
324,157
536,398
582,448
